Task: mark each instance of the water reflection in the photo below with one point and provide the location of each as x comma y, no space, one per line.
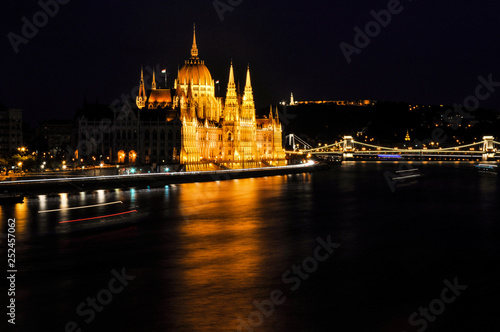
207,251
63,205
101,196
219,245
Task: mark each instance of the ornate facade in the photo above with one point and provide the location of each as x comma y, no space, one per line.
216,132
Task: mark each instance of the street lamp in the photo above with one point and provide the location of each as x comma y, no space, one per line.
93,163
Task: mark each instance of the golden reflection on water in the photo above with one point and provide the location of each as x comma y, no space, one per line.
221,246
101,196
63,204
18,211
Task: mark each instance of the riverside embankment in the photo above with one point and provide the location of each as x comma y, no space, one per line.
85,183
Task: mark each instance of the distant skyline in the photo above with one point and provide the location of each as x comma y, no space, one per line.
428,52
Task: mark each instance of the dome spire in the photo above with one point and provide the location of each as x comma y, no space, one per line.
194,48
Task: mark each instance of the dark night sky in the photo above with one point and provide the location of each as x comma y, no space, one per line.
431,53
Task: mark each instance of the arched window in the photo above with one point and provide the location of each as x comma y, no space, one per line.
229,137
132,156
135,134
146,135
154,134
170,134
129,135
162,134
121,157
118,136
124,134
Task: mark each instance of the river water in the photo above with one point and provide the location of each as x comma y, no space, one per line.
335,250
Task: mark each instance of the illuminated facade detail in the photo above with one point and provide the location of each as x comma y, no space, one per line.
121,157
216,132
132,155
407,137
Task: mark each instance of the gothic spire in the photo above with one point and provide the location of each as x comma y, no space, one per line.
194,49
141,98
248,84
248,93
231,75
153,85
231,94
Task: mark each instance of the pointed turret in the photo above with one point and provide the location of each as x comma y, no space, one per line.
153,85
248,104
141,98
248,93
231,76
231,97
248,84
194,48
407,138
231,87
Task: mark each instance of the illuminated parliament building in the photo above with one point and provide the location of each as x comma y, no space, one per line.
187,125
215,132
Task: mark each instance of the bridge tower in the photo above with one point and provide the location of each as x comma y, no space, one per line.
348,144
488,147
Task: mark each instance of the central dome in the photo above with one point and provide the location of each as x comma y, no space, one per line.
194,71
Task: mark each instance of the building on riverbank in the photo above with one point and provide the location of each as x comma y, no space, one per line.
187,125
126,136
11,130
216,132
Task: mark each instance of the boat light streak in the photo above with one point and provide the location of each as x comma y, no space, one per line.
397,156
106,216
79,207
